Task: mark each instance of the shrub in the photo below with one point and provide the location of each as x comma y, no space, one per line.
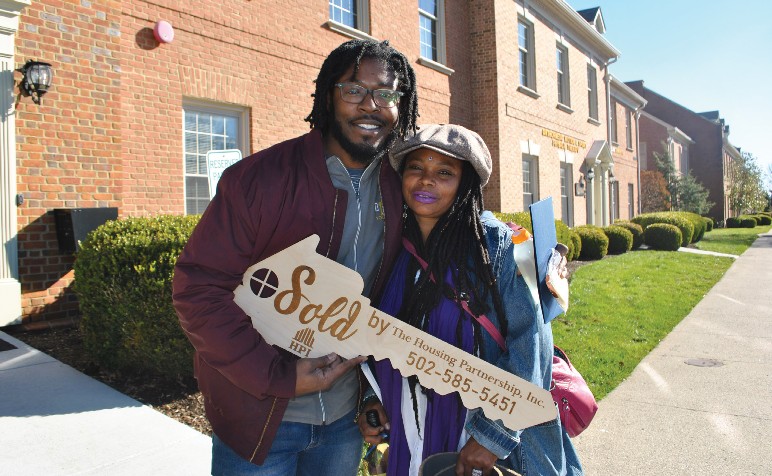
633,228
123,279
697,222
671,218
594,242
524,219
748,222
708,224
576,245
662,236
733,222
764,219
620,239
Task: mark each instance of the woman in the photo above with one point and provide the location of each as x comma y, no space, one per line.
444,168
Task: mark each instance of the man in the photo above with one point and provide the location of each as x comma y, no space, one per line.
271,412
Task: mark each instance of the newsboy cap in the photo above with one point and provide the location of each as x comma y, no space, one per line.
449,139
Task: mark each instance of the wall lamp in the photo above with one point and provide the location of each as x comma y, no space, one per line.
36,79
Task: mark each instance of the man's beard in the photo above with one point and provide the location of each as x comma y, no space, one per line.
362,153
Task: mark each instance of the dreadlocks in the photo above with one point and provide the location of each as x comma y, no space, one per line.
352,53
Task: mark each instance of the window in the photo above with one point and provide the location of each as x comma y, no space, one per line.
630,201
592,91
566,196
431,14
684,159
525,44
614,198
613,122
564,88
207,128
351,15
628,128
530,181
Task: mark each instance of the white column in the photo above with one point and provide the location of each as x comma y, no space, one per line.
604,195
10,288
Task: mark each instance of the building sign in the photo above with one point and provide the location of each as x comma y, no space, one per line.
562,141
216,162
311,306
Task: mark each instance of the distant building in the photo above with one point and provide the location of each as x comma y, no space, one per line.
709,155
130,118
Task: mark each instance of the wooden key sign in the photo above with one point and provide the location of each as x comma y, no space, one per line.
311,306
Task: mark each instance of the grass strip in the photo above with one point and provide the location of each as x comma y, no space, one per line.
730,240
623,306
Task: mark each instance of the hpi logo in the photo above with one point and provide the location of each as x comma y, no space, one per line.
264,284
303,342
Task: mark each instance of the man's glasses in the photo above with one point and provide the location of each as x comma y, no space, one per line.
355,94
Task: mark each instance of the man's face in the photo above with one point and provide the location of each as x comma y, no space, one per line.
361,132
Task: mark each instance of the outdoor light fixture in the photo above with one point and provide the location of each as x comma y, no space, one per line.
36,79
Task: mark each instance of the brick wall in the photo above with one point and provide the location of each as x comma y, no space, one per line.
68,148
110,131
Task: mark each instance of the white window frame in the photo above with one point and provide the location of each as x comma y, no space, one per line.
592,92
529,50
362,28
613,122
208,107
439,25
630,200
628,128
563,75
567,187
533,176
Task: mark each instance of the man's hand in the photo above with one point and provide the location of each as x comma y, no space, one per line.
319,373
474,456
372,434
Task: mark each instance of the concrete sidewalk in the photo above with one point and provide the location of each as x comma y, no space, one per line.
699,403
56,421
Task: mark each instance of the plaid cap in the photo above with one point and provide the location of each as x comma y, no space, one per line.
449,139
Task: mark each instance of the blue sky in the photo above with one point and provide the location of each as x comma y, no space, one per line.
705,55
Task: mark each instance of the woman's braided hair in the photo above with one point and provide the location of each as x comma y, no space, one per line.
352,53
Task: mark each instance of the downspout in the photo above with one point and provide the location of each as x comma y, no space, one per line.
638,155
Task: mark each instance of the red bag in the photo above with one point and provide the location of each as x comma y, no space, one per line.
573,397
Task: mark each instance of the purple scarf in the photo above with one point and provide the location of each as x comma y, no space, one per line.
445,416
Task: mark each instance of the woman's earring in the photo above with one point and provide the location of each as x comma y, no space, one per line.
404,212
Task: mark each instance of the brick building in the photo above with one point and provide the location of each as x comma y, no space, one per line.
709,155
657,136
129,119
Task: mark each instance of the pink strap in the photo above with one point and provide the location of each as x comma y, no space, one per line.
482,319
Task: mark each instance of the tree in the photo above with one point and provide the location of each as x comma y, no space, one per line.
654,194
686,193
746,188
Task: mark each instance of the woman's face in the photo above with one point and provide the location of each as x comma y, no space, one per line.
429,185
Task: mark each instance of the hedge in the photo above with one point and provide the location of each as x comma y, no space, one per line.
708,223
700,227
733,222
672,218
594,242
620,239
662,236
575,249
635,229
123,280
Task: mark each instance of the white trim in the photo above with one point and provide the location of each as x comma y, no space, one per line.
241,113
347,30
439,21
435,66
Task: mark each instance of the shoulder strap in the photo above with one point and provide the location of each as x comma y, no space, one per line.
481,319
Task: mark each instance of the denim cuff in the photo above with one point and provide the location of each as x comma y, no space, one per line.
493,435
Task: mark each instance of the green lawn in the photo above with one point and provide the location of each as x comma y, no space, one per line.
730,240
622,306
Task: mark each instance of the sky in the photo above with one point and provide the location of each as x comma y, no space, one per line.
705,55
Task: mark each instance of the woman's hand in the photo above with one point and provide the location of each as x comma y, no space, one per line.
373,434
474,456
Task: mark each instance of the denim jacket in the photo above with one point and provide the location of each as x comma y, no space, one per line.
544,449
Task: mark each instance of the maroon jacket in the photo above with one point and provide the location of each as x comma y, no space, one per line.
264,203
